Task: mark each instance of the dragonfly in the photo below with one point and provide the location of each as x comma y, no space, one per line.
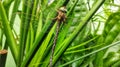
61,17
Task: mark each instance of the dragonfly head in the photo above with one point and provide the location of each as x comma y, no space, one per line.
63,9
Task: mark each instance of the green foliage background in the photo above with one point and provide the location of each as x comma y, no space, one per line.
86,39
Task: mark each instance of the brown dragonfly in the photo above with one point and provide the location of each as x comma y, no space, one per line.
61,17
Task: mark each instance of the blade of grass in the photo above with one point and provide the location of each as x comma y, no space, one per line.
82,44
40,25
76,51
27,47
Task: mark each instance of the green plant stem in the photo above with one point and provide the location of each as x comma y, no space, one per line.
81,50
82,44
8,33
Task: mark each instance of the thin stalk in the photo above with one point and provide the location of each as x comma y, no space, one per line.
81,50
82,44
32,36
27,47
